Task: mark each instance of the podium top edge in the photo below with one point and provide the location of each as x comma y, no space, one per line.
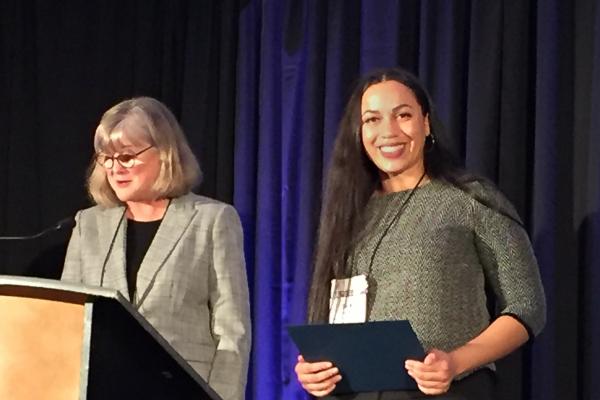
53,284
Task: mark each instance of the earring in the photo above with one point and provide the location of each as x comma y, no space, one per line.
431,138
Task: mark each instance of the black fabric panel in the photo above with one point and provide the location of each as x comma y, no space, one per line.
64,63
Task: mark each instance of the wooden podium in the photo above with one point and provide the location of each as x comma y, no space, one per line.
63,341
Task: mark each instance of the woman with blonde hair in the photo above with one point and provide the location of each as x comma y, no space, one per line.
178,257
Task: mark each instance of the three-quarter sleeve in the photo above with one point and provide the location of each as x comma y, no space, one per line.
509,262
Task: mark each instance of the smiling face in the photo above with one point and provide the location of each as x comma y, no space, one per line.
393,133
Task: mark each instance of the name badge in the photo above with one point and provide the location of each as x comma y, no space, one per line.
348,300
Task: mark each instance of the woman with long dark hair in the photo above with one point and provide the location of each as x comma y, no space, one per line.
427,238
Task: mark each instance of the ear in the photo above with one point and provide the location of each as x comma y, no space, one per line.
427,125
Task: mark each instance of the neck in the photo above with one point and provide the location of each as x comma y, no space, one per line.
145,211
405,181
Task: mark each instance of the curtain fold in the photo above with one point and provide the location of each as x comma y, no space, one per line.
587,181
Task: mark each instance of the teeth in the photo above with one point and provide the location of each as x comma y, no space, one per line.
390,149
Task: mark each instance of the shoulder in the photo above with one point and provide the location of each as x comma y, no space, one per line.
489,200
206,208
487,192
443,203
443,192
473,190
475,197
98,213
201,203
485,189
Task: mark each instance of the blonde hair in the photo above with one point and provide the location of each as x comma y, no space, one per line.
144,121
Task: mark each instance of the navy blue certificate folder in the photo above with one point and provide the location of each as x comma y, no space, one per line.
370,356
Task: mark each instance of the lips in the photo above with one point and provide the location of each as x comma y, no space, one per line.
122,183
392,150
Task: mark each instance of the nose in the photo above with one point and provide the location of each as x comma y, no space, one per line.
392,128
117,168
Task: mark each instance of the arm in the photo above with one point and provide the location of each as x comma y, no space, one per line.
435,374
511,270
502,337
230,309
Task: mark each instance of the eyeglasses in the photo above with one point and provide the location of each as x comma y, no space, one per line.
125,160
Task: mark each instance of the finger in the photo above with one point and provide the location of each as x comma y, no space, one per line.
432,384
421,368
432,391
321,393
303,367
440,375
430,359
439,366
322,376
323,387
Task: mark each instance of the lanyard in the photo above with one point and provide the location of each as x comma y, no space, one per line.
392,222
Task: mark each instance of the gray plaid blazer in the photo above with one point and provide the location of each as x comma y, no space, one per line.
191,285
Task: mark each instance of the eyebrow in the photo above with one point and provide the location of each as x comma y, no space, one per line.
112,149
398,107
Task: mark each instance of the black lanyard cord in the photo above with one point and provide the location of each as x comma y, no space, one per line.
392,222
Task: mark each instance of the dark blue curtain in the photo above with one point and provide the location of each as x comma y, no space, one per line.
517,86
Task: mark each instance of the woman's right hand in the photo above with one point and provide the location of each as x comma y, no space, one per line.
318,378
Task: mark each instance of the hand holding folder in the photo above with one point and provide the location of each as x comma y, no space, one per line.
370,356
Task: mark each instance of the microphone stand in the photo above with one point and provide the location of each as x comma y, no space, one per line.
38,266
68,222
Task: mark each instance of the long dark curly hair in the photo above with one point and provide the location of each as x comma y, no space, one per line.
352,178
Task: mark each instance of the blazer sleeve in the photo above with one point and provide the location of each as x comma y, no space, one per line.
230,308
72,267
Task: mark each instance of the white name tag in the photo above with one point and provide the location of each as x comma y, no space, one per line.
348,300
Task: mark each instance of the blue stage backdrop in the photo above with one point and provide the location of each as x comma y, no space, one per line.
517,85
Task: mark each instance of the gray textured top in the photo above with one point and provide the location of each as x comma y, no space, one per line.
433,263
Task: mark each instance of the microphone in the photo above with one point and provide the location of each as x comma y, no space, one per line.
66,223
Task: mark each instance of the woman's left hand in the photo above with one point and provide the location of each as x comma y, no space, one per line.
434,374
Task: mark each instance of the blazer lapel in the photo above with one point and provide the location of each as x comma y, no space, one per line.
178,217
111,234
